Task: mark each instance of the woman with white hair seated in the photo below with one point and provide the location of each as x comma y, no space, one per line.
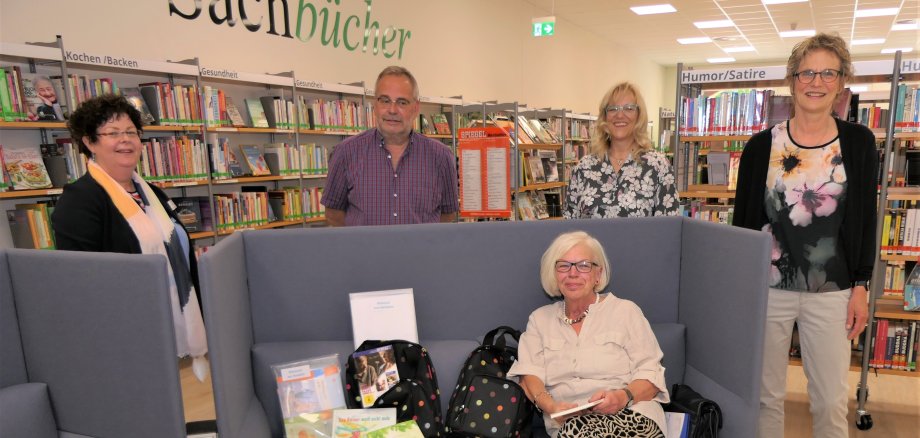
590,346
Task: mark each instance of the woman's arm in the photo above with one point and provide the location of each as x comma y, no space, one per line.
537,393
615,400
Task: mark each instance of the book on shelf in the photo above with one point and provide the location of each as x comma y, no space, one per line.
349,423
256,113
233,113
158,97
254,161
136,99
425,125
550,167
276,110
535,168
553,204
386,314
525,208
26,168
30,226
55,159
539,205
189,211
717,166
384,362
405,429
441,126
309,391
6,184
41,99
234,164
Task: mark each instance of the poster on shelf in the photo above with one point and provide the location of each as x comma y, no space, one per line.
485,168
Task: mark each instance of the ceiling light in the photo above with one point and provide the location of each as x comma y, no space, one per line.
696,40
906,25
738,49
713,24
779,2
867,42
653,9
902,49
797,33
719,60
881,12
858,88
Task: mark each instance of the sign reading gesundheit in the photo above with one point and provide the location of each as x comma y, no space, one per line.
544,26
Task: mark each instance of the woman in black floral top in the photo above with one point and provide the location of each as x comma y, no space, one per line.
621,176
810,182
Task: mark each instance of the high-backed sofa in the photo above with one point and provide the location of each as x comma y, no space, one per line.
281,295
87,346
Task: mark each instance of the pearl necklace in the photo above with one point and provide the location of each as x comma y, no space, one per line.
565,319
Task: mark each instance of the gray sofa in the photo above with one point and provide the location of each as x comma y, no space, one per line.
86,347
281,295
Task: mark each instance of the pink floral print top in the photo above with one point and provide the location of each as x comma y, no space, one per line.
805,194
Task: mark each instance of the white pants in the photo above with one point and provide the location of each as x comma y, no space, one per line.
821,319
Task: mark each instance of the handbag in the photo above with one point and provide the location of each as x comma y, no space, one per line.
705,414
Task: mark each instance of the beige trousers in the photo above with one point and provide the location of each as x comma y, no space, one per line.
825,356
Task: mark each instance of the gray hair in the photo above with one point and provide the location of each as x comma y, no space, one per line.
395,70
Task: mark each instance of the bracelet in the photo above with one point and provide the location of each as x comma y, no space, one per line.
537,397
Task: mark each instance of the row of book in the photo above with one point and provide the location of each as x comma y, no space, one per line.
732,112
30,225
36,97
279,159
433,124
895,275
901,229
535,205
699,209
894,344
907,112
539,166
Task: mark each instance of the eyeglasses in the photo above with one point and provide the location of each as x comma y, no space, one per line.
629,108
808,76
115,135
584,266
400,103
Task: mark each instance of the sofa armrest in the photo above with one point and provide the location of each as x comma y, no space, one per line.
723,298
228,319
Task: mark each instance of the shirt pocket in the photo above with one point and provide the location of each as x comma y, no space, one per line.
556,362
606,356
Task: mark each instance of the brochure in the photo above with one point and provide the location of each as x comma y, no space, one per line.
384,315
308,391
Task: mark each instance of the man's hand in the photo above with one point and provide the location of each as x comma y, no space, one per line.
857,312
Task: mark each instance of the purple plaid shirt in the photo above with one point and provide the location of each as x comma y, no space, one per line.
362,182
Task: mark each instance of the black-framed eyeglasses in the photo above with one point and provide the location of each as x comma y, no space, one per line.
808,76
584,266
629,108
115,135
400,102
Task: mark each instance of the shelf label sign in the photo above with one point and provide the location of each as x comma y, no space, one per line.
544,26
733,74
910,66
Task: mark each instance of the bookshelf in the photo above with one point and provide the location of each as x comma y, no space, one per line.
309,113
893,199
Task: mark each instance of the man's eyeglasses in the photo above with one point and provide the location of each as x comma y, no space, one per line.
629,108
115,135
400,103
584,266
808,76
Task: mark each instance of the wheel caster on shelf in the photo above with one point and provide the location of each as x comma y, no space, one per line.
864,422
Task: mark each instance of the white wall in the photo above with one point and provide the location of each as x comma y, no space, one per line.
480,49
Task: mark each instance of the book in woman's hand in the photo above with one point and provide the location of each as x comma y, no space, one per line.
575,409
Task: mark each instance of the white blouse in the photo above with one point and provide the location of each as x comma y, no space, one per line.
616,346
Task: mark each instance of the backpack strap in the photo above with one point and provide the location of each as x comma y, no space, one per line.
496,336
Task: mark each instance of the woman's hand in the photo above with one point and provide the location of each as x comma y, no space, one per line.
611,402
561,406
857,312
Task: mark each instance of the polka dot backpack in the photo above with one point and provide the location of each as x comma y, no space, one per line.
485,403
385,374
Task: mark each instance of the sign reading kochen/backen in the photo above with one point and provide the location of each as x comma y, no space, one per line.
303,22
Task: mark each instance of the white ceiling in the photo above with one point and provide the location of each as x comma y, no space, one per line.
755,24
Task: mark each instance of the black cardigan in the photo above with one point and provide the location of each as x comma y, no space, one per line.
85,219
860,161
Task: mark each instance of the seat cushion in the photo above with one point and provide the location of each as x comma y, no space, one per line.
25,410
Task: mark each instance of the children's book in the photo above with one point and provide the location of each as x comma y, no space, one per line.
388,314
309,391
406,429
255,160
26,168
376,373
349,423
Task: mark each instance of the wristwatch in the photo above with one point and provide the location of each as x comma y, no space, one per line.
862,283
630,401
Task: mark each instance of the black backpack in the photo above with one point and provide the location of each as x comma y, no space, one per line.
705,415
485,403
415,396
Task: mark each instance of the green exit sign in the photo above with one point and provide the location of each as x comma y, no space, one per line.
543,26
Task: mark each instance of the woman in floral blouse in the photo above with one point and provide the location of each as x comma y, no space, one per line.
621,176
811,183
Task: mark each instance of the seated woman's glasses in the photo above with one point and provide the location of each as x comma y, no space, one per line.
584,266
